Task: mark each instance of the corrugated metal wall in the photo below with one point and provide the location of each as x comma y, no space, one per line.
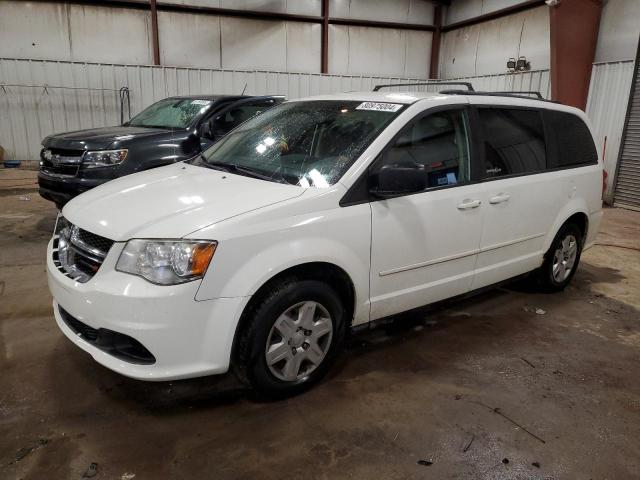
606,108
533,80
31,113
91,99
627,181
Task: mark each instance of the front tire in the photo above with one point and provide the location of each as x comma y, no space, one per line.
561,260
291,337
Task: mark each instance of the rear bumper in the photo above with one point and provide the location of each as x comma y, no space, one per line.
186,338
60,189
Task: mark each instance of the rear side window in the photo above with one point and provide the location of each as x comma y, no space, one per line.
514,142
573,143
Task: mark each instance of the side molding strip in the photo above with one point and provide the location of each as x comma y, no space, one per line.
459,255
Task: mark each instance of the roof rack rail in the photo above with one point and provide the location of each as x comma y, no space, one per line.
521,92
465,84
514,94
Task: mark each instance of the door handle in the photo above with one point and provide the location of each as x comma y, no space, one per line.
468,203
499,198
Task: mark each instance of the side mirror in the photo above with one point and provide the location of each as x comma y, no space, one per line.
205,130
396,180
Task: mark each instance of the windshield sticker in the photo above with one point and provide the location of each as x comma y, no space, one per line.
201,102
382,107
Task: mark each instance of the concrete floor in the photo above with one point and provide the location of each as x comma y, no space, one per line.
486,388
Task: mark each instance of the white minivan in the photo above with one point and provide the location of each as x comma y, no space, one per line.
319,215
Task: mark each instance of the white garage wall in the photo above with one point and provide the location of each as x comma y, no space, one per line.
282,46
70,32
460,10
619,31
233,43
366,51
484,48
400,11
74,32
202,49
297,7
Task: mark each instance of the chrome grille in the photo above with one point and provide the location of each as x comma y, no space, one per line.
61,162
78,253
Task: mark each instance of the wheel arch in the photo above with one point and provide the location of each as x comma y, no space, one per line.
575,215
330,273
576,212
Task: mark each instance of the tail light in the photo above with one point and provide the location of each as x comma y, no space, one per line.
604,181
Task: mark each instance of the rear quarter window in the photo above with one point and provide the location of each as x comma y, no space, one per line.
514,141
571,141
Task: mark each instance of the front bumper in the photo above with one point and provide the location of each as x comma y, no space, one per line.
187,338
61,188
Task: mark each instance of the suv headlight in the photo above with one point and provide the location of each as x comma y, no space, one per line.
167,262
104,158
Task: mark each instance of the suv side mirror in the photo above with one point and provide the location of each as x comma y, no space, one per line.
205,130
396,180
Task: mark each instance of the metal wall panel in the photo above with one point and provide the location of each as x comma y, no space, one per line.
619,30
115,34
22,33
364,50
627,181
58,31
296,7
484,49
534,80
401,11
31,113
200,49
606,108
460,10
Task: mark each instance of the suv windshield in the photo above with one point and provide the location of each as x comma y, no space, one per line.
171,113
307,143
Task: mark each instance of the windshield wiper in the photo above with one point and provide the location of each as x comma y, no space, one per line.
238,169
254,173
225,167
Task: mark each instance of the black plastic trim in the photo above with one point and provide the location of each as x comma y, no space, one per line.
116,344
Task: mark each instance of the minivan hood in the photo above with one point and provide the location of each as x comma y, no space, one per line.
171,202
99,138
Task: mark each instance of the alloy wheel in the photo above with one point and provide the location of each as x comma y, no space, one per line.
564,258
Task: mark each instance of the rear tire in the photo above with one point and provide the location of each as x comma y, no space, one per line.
561,260
290,337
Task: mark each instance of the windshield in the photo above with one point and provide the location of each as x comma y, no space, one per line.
171,113
310,144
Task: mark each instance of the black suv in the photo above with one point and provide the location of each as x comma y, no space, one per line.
171,130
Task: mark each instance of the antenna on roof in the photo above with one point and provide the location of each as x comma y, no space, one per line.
243,90
464,84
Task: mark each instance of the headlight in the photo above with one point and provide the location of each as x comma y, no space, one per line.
104,158
167,262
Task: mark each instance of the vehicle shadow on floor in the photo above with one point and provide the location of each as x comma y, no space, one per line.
207,392
469,322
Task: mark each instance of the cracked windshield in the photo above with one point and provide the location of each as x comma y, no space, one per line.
170,113
309,144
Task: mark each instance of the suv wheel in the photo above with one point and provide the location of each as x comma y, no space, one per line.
561,261
292,337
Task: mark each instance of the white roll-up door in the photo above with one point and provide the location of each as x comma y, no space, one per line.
627,192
